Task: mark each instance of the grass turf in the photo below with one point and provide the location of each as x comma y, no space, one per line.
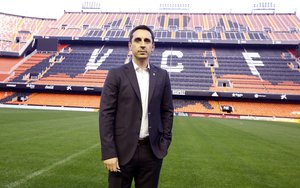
61,149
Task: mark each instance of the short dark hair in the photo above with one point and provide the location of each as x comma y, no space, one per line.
142,27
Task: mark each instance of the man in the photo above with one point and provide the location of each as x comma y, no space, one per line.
136,116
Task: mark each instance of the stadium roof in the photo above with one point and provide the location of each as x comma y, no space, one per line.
56,8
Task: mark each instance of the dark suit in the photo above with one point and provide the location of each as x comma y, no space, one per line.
121,112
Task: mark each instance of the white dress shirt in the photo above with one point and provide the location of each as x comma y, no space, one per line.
143,81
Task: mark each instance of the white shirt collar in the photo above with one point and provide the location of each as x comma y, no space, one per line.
136,67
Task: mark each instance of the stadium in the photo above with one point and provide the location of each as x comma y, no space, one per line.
235,82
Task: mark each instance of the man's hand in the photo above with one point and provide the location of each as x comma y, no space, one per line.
112,164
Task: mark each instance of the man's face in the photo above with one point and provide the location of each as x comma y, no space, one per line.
141,44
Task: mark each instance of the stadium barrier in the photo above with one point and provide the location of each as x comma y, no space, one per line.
260,118
97,90
48,108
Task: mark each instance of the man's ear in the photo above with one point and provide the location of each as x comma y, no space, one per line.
129,45
153,47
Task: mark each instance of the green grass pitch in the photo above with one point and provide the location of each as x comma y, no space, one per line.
50,149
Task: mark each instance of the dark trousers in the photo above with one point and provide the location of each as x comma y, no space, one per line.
144,168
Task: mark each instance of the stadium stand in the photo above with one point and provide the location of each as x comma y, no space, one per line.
5,94
239,108
65,100
17,31
187,26
257,70
231,71
34,65
246,62
7,65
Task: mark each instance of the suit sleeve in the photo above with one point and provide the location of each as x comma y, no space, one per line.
167,111
107,114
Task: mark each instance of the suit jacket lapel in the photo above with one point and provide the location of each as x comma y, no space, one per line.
130,72
152,81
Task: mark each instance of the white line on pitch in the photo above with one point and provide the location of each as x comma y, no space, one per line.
39,172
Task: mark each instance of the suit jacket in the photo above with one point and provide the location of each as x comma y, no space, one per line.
121,112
